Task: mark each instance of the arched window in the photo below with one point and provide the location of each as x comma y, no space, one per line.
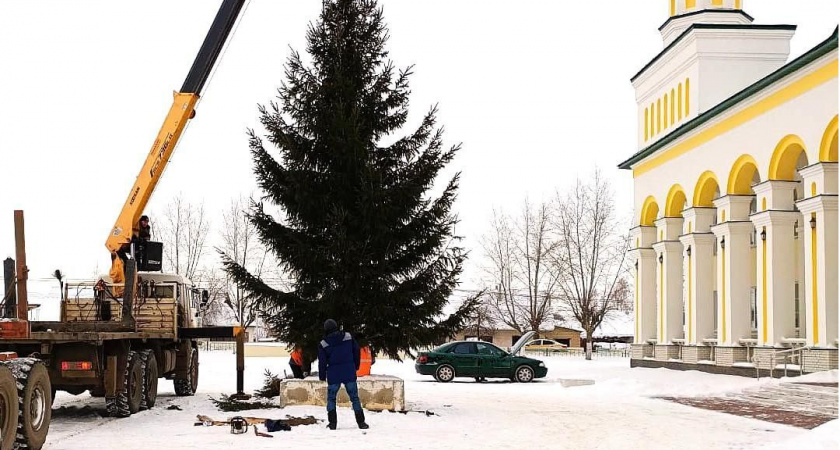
646,124
672,106
665,113
679,102
687,96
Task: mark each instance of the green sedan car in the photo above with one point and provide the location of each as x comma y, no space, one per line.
479,360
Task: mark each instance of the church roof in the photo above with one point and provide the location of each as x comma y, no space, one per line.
810,56
705,11
709,26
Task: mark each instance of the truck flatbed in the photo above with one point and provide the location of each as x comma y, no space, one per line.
107,331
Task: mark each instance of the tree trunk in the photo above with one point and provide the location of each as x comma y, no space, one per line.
589,345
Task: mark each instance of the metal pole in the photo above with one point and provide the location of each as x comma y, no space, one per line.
240,364
22,270
9,297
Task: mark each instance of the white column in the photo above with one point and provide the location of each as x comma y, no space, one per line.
698,266
775,223
734,265
819,216
669,279
645,283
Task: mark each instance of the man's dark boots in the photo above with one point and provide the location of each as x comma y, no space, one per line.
360,419
331,418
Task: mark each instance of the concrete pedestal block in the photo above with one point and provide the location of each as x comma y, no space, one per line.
376,392
763,357
690,354
667,352
637,351
727,356
817,359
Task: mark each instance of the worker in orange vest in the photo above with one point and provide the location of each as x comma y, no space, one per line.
296,362
367,359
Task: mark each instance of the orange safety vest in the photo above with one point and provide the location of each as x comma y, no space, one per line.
297,357
365,362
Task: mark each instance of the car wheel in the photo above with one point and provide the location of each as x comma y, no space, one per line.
524,374
445,373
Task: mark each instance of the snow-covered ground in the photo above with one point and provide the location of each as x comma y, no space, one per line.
618,411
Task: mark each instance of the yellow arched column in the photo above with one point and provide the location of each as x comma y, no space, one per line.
785,156
675,201
650,211
704,190
828,146
741,175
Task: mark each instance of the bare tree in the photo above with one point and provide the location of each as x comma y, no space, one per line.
183,229
215,312
591,254
521,271
241,244
482,321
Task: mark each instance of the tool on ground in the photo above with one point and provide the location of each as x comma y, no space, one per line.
261,434
238,425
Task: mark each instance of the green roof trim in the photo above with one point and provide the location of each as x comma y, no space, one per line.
709,26
810,56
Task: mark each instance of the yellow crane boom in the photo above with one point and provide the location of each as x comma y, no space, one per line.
182,109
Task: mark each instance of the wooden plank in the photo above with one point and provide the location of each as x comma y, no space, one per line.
92,336
79,327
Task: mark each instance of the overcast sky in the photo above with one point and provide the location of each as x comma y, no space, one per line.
538,92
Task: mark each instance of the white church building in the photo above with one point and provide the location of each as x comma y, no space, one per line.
734,247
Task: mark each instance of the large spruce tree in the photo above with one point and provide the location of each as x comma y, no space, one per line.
357,229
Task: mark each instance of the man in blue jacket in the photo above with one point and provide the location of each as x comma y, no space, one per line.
338,361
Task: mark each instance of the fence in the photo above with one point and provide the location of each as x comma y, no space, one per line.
215,346
580,353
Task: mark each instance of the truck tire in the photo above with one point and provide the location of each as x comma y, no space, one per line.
8,408
127,401
187,386
34,392
150,376
135,375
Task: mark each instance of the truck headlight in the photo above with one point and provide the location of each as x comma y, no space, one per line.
542,364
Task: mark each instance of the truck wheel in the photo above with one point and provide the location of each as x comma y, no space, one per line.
151,377
127,401
34,392
136,381
186,386
8,408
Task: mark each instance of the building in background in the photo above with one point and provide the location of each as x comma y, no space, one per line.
505,336
735,187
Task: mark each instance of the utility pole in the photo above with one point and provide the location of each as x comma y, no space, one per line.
22,270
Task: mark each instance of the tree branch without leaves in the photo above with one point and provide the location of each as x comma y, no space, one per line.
591,254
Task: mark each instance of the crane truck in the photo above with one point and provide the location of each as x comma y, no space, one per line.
118,335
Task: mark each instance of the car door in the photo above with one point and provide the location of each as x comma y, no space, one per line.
465,359
495,362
